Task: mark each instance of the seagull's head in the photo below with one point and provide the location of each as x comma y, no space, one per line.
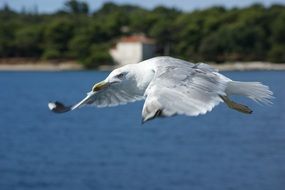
127,76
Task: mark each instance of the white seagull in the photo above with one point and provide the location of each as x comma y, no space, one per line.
170,86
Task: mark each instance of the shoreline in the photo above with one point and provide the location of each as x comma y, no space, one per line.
19,64
39,65
249,66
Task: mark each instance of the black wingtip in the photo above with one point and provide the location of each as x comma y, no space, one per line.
58,107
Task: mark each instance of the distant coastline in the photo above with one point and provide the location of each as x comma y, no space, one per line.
21,64
250,66
70,65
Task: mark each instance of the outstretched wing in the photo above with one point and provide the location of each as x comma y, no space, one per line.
112,96
183,89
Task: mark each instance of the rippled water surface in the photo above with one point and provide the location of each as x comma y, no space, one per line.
108,148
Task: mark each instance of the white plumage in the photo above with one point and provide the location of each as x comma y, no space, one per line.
171,86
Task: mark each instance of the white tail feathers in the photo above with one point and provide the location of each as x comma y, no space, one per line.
253,90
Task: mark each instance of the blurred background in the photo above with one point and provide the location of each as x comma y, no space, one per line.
86,32
56,50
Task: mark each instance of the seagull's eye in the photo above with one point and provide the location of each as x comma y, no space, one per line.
120,75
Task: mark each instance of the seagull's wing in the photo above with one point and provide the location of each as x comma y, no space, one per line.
183,89
113,96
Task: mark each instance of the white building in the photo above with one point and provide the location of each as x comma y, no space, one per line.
133,49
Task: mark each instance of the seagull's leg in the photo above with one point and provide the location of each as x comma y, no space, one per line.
158,113
233,105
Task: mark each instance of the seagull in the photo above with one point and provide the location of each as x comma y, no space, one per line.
169,87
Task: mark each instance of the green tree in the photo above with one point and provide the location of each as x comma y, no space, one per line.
6,39
214,34
98,55
76,7
28,41
57,36
277,40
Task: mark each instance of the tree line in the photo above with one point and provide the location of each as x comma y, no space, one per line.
214,34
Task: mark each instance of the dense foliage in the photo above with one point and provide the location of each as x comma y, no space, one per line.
215,34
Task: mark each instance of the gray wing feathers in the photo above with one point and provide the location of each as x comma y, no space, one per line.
205,67
183,90
113,96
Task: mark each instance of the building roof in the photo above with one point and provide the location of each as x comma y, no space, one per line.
137,38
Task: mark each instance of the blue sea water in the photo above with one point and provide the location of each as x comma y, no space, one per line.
108,148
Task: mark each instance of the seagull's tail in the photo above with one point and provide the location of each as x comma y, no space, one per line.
253,90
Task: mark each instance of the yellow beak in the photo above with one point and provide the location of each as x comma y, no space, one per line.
99,86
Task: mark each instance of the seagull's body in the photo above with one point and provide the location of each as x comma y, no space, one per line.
170,86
